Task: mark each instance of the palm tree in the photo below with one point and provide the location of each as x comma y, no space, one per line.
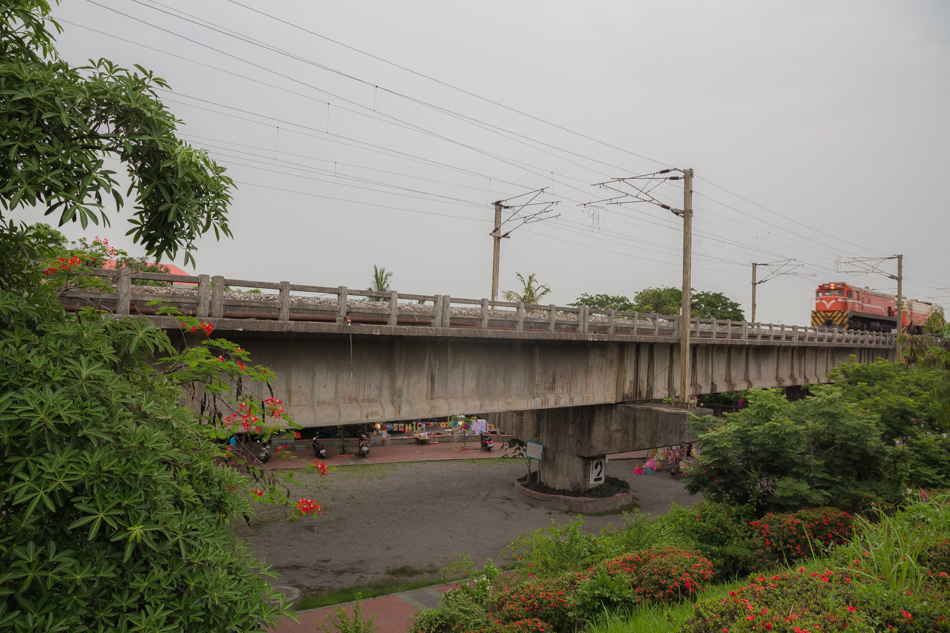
380,282
532,292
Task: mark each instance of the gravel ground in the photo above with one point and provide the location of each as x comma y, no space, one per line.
421,514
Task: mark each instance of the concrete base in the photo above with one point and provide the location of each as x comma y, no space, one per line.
578,505
576,438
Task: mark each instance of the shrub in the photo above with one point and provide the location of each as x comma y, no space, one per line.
662,575
519,626
636,532
805,532
549,600
551,551
604,592
781,602
458,611
720,533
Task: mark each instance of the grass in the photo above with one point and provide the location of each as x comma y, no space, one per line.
398,579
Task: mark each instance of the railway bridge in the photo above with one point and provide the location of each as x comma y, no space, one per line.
581,381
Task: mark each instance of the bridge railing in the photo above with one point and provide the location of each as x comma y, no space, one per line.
205,296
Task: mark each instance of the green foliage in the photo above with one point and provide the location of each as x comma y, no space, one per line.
660,300
550,600
531,291
115,506
550,551
604,592
714,305
806,533
458,611
777,456
664,575
704,304
605,302
720,533
636,532
343,622
60,122
380,282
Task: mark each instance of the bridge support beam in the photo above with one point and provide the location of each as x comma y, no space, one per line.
574,437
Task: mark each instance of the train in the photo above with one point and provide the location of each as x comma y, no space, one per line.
845,306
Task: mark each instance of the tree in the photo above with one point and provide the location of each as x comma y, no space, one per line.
714,305
114,498
781,456
380,281
60,122
660,300
605,302
704,304
531,291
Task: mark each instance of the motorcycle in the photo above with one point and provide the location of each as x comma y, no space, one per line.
487,443
266,452
318,449
363,447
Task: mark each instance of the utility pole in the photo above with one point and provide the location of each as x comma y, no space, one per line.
870,265
497,235
752,318
496,254
642,193
685,356
900,303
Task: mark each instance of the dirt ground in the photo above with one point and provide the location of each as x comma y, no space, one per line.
419,514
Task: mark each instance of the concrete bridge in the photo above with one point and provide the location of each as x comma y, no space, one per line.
345,356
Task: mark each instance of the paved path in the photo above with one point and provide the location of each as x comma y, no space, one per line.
392,613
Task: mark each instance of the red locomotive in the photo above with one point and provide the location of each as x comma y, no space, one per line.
845,306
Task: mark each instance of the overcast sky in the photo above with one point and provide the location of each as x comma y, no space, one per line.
818,131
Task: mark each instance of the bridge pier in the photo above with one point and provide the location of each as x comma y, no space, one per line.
575,437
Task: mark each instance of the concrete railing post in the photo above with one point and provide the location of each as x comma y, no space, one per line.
341,304
520,326
656,324
795,333
393,308
123,292
437,312
204,296
446,311
636,323
582,320
611,321
485,310
552,318
283,314
745,330
217,296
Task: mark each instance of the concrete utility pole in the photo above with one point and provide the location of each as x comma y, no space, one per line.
519,220
752,318
685,356
642,193
900,303
496,254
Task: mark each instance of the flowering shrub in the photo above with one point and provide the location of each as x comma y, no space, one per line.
798,535
720,533
548,600
796,602
662,575
528,625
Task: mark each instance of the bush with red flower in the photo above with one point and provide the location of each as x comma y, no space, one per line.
804,533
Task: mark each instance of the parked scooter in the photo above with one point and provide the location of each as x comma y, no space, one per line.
266,452
363,447
318,450
487,443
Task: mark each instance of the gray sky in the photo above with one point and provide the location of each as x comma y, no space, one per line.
817,131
